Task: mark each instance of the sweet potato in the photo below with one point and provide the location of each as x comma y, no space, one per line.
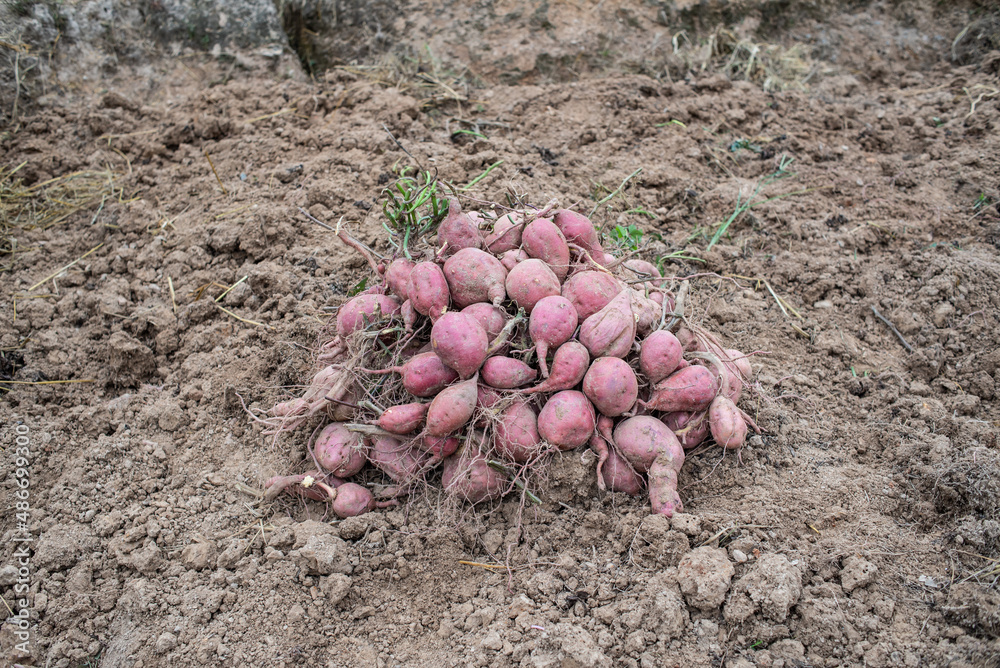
409,315
428,290
611,331
659,355
452,408
529,282
542,240
506,373
339,451
438,447
742,363
424,375
689,428
663,494
458,230
643,438
310,485
648,313
352,500
403,419
362,310
619,476
611,386
516,433
397,277
460,341
487,397
729,429
640,269
567,420
489,316
510,259
475,276
578,230
506,234
467,475
590,291
552,323
569,366
689,389
400,461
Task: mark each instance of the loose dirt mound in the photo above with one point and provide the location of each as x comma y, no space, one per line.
861,529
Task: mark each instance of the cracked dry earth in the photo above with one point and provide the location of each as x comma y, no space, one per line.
850,533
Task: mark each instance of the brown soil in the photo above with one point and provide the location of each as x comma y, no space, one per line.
858,530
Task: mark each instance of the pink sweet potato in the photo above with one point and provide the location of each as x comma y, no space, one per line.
516,433
529,282
506,373
659,355
689,389
742,363
438,447
648,313
611,331
689,428
567,420
339,450
452,408
409,314
542,240
487,397
552,323
506,234
428,290
492,318
619,476
578,230
510,258
590,291
643,438
310,485
467,475
729,429
475,276
424,375
640,269
663,494
403,419
397,277
569,366
458,230
352,500
611,386
400,461
364,309
460,341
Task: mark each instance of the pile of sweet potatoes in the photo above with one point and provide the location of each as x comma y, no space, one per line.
516,336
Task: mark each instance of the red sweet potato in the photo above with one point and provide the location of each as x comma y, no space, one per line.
659,355
352,500
516,433
475,276
510,259
529,282
397,277
460,341
541,239
409,314
689,389
567,420
310,485
569,366
611,331
689,428
506,234
611,386
552,323
643,438
640,269
403,419
400,461
467,475
578,230
452,408
425,375
362,310
648,313
590,291
438,447
339,451
428,290
506,373
729,429
663,494
489,316
487,397
619,476
458,230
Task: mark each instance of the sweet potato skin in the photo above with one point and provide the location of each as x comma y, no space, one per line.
403,419
451,408
507,373
428,290
397,277
541,239
354,314
567,420
611,331
729,429
611,386
352,500
690,389
425,375
643,438
691,429
458,230
578,230
659,355
475,276
529,282
339,450
489,316
400,461
569,366
460,341
590,291
467,475
552,323
506,234
516,434
663,495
